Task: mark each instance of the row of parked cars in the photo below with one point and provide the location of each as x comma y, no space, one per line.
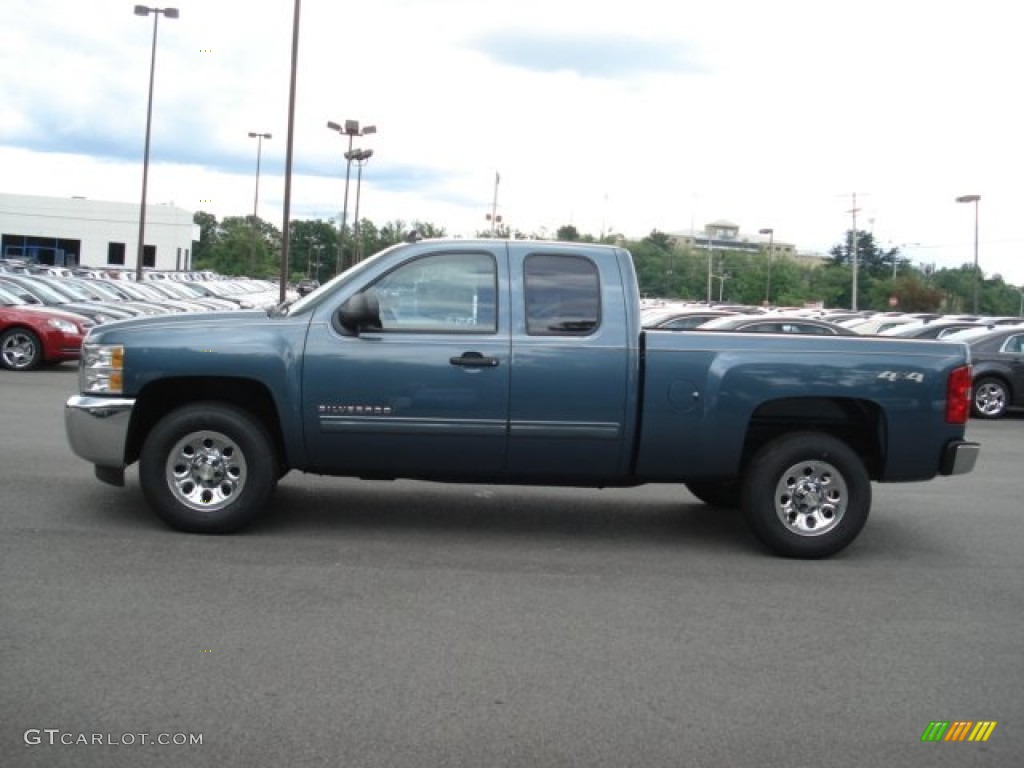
996,343
46,311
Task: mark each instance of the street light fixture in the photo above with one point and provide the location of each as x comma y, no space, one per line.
170,13
771,248
360,157
256,200
351,128
977,277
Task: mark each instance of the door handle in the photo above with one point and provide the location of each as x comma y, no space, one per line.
474,360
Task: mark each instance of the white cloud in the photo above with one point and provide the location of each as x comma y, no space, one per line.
768,114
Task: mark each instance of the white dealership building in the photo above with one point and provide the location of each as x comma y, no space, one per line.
95,233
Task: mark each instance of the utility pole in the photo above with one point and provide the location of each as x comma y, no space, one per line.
494,203
853,252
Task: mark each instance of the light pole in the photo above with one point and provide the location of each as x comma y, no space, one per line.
721,284
771,247
256,200
170,13
895,256
351,129
360,157
977,277
711,255
494,218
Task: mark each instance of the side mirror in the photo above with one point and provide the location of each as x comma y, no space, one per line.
360,312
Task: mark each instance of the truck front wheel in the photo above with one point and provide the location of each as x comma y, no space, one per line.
806,495
208,468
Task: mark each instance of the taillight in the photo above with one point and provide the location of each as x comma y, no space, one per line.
958,395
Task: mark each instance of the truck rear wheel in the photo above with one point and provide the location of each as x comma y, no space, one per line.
208,468
806,495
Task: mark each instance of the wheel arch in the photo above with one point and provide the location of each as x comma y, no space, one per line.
859,423
159,398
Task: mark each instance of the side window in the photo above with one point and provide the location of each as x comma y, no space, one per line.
1014,345
563,295
440,293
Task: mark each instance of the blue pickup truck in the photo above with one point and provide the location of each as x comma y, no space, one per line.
519,362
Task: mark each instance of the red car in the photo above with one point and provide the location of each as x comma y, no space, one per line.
30,336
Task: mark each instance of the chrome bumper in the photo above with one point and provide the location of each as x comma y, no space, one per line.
959,457
97,428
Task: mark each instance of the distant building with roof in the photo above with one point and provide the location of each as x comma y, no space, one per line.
724,235
77,231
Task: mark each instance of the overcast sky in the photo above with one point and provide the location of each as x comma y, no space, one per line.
625,117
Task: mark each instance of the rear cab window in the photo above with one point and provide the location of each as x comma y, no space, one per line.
562,295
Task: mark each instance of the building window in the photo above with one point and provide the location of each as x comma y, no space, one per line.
149,256
115,254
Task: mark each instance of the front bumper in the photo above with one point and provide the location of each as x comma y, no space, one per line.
97,429
959,457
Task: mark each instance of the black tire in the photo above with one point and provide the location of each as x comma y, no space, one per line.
989,398
806,495
716,493
20,350
208,468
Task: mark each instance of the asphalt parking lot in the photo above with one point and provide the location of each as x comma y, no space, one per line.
412,624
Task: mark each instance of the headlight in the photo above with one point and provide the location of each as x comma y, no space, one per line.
63,325
102,369
101,318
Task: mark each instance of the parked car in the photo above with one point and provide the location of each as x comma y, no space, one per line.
32,335
998,372
775,324
513,362
681,318
35,292
877,323
931,329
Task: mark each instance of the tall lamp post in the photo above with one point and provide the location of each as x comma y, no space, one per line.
170,13
711,256
771,247
977,277
351,128
256,199
360,157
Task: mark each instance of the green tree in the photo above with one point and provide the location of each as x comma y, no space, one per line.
313,247
871,259
208,233
567,233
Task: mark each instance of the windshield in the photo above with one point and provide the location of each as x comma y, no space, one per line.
8,299
69,290
45,293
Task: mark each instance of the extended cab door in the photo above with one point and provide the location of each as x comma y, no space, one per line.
425,394
572,364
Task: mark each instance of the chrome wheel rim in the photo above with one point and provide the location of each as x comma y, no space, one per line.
811,498
990,399
19,350
206,470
